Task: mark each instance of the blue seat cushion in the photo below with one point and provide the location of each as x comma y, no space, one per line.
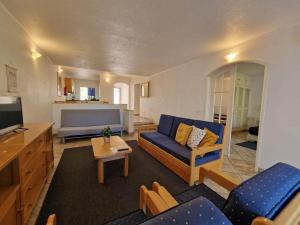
265,194
199,211
176,122
165,124
180,152
216,128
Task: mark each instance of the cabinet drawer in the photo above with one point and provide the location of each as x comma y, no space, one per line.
31,192
29,168
35,180
11,216
26,155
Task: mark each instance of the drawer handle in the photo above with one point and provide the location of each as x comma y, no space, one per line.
29,205
29,153
28,172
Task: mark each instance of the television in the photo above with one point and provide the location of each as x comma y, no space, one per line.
11,116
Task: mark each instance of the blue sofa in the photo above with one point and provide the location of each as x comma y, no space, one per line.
182,160
76,123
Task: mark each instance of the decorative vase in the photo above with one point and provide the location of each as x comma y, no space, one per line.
106,139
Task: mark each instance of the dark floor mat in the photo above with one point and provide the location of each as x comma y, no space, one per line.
76,197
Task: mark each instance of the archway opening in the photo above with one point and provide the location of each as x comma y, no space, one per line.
235,98
121,93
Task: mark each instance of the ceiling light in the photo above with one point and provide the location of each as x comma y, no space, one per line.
107,79
35,54
60,70
230,57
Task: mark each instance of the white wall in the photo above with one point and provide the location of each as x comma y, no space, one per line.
36,78
181,91
85,83
107,86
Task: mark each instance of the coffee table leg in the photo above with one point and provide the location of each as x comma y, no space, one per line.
126,165
100,171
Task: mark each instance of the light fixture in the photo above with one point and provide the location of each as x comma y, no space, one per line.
60,70
107,79
35,54
231,57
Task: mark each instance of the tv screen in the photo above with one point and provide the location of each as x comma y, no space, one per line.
11,116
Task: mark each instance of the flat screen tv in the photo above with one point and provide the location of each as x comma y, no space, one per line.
11,116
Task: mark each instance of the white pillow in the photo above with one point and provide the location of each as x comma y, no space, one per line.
195,137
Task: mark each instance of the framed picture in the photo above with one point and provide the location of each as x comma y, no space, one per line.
12,80
145,89
59,85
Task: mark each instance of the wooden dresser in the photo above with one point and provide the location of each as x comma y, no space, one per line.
26,160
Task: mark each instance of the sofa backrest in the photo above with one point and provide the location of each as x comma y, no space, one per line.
165,124
168,126
265,194
216,128
89,117
199,211
176,122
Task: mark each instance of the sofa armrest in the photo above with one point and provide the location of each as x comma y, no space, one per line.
227,182
147,128
201,151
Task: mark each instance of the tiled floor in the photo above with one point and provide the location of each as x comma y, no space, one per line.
240,165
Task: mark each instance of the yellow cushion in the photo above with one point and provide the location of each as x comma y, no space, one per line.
183,133
209,139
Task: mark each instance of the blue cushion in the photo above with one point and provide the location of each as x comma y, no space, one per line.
165,124
208,157
180,152
199,211
265,194
177,121
216,128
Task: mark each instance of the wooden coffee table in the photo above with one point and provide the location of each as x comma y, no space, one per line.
104,152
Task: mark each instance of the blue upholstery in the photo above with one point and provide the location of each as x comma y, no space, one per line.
216,128
199,211
180,152
176,122
165,124
263,195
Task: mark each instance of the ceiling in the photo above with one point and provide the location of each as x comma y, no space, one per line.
145,37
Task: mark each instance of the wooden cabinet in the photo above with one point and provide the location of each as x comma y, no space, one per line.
23,178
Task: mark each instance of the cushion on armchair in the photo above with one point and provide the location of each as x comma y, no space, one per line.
265,194
199,211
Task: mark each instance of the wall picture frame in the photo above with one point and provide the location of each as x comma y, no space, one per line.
12,79
59,85
145,89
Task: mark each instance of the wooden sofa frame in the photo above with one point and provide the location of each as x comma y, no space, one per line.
189,173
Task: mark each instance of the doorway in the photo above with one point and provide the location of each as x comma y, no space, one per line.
137,99
235,100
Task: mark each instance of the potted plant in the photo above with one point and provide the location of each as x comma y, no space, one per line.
107,132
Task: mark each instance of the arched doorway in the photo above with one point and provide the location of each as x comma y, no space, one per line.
121,93
235,98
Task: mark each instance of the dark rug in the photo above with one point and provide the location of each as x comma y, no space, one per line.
249,144
76,197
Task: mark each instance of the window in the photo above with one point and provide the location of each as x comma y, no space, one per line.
87,93
84,95
117,95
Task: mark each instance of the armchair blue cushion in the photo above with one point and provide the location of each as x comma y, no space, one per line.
263,195
199,211
165,124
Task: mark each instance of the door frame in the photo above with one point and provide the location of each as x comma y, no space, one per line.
262,109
